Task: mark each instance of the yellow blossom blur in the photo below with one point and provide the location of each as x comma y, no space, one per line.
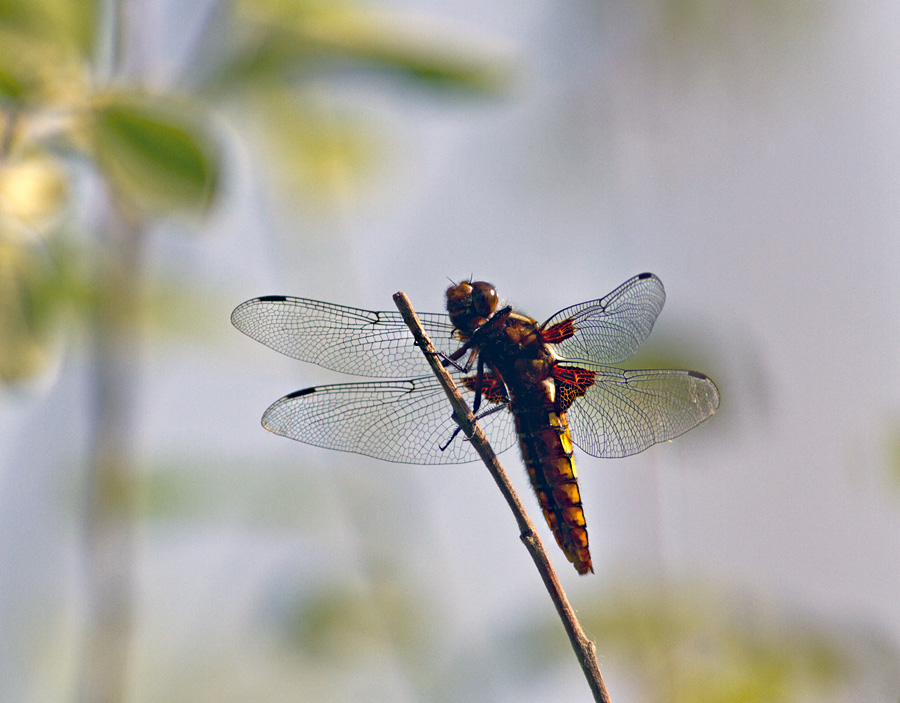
32,191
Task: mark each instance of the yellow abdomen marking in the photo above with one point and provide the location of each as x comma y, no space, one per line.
559,422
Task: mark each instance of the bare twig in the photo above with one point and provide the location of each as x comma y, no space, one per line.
584,648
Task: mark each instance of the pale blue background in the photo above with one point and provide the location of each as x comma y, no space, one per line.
753,164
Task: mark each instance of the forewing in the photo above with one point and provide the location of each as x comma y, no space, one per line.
609,330
404,421
625,412
350,340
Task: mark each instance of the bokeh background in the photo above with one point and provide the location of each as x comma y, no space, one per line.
161,162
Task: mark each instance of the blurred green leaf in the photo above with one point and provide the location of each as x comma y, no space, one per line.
40,283
694,645
279,36
11,82
45,46
32,69
232,491
427,52
67,24
24,349
335,622
319,151
155,153
339,621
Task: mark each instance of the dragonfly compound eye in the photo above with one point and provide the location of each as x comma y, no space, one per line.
484,298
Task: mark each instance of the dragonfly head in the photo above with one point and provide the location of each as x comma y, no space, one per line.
470,304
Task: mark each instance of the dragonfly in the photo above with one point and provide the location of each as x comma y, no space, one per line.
544,386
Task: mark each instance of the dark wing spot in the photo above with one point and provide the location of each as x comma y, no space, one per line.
272,299
642,276
304,391
697,374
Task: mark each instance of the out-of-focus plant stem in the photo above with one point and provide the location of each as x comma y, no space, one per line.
108,53
10,121
111,500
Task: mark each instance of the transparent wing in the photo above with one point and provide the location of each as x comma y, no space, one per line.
609,330
404,421
349,340
625,412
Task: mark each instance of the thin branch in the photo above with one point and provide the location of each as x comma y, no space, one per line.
584,648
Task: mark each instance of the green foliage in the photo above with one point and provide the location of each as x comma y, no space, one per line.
190,491
319,152
44,48
696,651
279,35
23,344
37,289
698,645
279,47
70,24
154,153
338,622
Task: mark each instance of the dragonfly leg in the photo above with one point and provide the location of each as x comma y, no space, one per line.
452,437
479,386
489,411
451,360
490,387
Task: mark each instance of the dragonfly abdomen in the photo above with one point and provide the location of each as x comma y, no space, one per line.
547,451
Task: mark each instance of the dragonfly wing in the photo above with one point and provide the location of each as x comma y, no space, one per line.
624,412
405,421
345,339
608,330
